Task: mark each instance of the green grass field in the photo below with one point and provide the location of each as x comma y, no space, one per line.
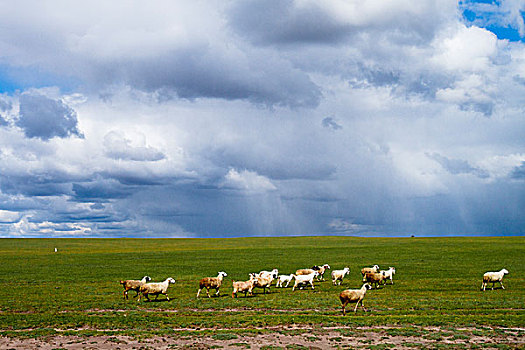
76,290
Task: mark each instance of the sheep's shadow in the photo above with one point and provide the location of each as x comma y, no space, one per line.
157,300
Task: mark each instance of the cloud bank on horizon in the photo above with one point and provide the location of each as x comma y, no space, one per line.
241,118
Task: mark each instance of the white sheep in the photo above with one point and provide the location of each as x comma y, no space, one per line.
133,285
354,295
305,279
156,288
273,274
338,275
211,282
284,278
365,270
493,277
388,274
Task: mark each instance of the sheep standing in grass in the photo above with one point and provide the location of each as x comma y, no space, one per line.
269,274
284,278
321,270
366,270
156,288
374,278
338,275
354,295
211,282
388,274
246,287
133,285
305,279
493,277
263,282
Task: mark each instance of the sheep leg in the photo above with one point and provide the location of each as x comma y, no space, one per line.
125,294
208,292
356,305
167,297
217,292
344,306
501,283
198,292
493,285
363,305
312,283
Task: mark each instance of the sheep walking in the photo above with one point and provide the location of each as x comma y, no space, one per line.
366,270
388,274
246,287
263,282
211,282
338,275
321,270
354,295
305,279
284,279
269,274
493,277
133,285
148,289
374,278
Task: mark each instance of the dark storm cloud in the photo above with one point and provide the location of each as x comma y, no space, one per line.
44,118
457,166
275,21
518,172
101,190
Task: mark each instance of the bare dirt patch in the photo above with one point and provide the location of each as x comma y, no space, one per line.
291,338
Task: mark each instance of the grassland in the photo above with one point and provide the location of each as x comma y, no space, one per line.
76,290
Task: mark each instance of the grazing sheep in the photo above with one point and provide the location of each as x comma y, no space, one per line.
364,270
133,285
263,282
301,272
305,279
321,270
211,282
493,277
338,275
246,287
156,288
354,295
374,278
388,274
284,278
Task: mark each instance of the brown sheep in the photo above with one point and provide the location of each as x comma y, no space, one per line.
133,285
374,278
246,287
353,295
211,282
369,269
304,272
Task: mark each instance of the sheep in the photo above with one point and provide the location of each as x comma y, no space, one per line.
246,287
301,272
364,270
156,288
374,278
263,282
321,270
273,274
338,275
211,282
388,274
305,279
133,285
354,295
284,278
493,277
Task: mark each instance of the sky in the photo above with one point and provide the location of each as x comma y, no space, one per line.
262,118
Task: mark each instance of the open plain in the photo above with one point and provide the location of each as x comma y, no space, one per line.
72,298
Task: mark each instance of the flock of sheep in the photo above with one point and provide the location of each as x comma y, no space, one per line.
302,277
